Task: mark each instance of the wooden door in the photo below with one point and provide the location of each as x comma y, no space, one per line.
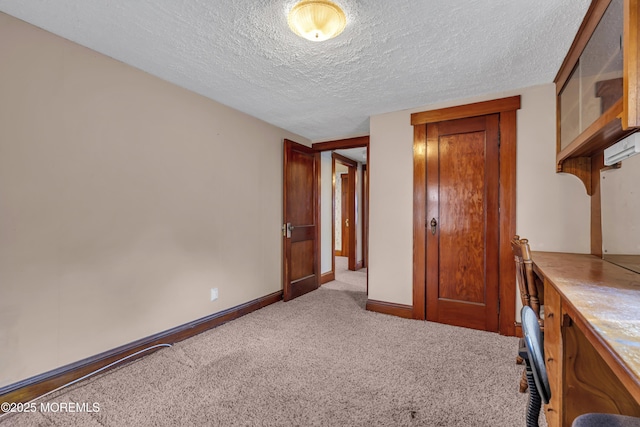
462,255
344,204
300,231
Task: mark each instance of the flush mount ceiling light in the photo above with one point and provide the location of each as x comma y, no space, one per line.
317,20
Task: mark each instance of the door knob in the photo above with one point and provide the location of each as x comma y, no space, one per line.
347,222
286,230
433,224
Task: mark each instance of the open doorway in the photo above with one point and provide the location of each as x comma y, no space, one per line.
343,178
347,218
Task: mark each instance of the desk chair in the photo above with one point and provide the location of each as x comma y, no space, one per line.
526,278
529,286
532,351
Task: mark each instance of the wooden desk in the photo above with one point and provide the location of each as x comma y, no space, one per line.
630,262
591,336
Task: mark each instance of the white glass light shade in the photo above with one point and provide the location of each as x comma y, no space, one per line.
317,20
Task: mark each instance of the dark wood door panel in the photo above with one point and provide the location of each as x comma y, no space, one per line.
300,210
461,218
467,315
301,233
300,261
462,198
301,265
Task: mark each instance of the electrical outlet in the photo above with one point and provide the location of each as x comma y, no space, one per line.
214,294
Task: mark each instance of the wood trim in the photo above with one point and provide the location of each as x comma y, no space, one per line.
341,144
581,168
518,330
507,195
597,163
344,207
352,215
391,308
589,23
631,61
464,111
333,215
558,124
344,160
367,212
30,388
317,160
602,132
365,215
327,277
419,217
553,349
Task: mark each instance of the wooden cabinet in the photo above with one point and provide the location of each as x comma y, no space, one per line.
597,87
553,352
591,338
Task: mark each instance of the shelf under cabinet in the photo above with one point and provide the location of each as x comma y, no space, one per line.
602,133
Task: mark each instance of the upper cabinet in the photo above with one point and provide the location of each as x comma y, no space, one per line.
597,86
595,83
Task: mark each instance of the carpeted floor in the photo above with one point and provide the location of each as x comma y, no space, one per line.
319,360
346,280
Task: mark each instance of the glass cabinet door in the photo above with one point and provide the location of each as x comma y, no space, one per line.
595,84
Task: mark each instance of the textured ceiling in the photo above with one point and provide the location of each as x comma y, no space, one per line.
393,55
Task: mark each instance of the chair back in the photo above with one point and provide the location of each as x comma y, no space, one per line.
525,277
535,350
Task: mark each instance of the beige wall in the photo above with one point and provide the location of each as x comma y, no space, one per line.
552,209
621,208
123,200
326,211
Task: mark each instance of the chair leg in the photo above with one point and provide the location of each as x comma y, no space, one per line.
519,360
535,401
524,384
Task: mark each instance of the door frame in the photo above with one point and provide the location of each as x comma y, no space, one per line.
343,144
365,215
506,108
352,166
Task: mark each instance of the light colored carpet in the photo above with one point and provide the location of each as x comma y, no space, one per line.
319,360
347,280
